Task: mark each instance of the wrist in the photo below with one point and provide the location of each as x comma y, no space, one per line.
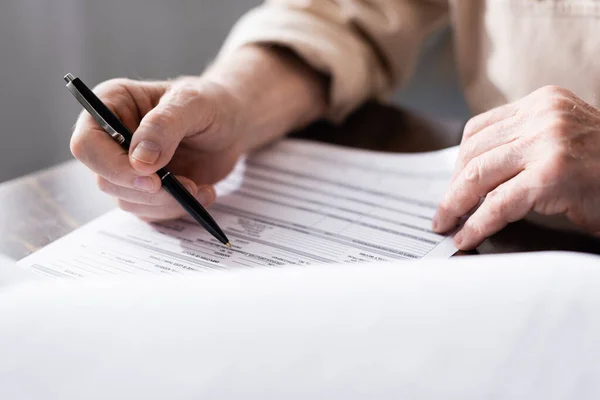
278,93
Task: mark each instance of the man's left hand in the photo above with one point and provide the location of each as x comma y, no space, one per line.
541,154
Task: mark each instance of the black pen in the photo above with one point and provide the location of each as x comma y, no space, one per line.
119,132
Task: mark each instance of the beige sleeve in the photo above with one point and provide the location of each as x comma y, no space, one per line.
366,47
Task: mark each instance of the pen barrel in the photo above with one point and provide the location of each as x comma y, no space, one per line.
191,205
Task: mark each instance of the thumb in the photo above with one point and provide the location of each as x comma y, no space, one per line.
180,112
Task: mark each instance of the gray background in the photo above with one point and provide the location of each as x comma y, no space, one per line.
41,40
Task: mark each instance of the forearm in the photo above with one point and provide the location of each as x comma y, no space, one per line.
278,93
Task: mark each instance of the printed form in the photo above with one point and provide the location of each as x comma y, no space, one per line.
295,202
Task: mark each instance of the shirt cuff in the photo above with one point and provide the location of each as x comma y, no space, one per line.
355,74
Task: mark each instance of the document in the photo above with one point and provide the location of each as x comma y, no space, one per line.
11,274
295,202
519,326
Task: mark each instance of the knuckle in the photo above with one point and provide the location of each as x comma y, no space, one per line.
117,95
77,147
557,103
498,201
156,199
184,94
164,117
467,148
103,185
444,207
551,90
197,99
471,126
205,100
112,86
558,128
186,91
211,117
472,171
126,206
473,228
115,176
550,99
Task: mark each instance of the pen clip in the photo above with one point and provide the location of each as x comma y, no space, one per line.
82,100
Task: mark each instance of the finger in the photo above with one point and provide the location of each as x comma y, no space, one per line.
479,177
508,203
488,118
495,135
129,99
182,111
205,194
170,209
98,151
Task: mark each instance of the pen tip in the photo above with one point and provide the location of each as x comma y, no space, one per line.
228,244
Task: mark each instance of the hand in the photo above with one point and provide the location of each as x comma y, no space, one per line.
541,154
196,126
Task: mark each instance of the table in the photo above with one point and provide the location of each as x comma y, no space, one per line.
40,208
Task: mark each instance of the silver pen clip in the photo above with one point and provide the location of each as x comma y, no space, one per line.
105,125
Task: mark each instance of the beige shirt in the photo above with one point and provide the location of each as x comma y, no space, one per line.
504,49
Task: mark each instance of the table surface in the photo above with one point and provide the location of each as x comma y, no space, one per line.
44,206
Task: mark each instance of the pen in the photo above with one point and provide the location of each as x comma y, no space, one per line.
119,132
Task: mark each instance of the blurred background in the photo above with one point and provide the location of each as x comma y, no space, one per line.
41,40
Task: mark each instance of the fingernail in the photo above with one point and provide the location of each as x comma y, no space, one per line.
206,195
458,238
146,152
144,183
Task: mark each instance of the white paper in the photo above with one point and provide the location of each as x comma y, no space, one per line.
470,328
295,202
11,274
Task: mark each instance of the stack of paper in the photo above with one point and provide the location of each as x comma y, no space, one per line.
295,202
470,328
505,327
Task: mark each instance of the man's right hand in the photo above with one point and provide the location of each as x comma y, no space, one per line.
197,126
